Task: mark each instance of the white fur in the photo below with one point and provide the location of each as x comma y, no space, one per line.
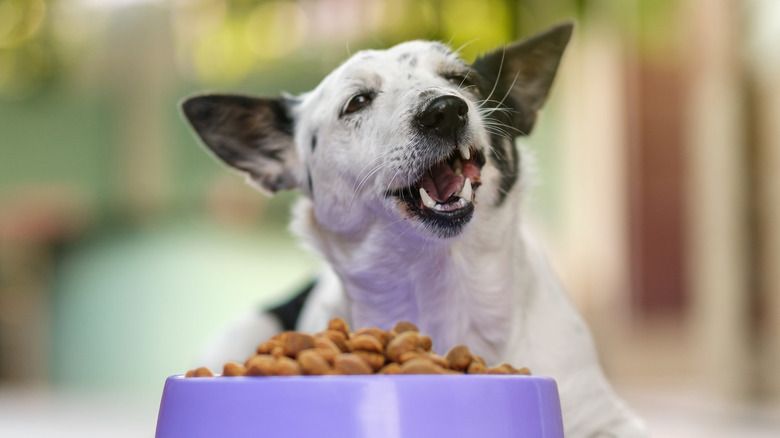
488,287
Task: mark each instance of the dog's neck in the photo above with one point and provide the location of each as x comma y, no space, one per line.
460,291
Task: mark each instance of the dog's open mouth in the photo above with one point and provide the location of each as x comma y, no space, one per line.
444,194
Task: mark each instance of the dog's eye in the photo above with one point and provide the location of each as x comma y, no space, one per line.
357,103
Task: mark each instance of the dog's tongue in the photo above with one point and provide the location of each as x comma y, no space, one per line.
441,182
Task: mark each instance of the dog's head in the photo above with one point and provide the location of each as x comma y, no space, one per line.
411,134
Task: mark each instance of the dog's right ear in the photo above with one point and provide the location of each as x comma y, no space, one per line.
253,135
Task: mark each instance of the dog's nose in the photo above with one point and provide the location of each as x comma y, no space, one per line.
445,115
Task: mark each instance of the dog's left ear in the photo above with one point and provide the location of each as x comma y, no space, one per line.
524,72
253,135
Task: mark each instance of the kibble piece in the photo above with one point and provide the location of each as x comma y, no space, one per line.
375,360
324,343
420,366
524,371
339,325
391,368
424,342
504,368
477,368
338,338
438,360
479,359
378,334
190,373
459,357
348,363
326,353
297,342
268,346
405,326
365,342
261,365
313,364
203,372
403,343
409,355
233,369
288,367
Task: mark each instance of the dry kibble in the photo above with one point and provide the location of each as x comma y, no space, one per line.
420,366
477,368
203,372
233,369
336,351
348,363
391,368
261,365
268,346
312,363
297,342
339,325
438,360
365,342
338,338
405,326
424,342
375,360
378,334
525,371
459,357
288,367
403,343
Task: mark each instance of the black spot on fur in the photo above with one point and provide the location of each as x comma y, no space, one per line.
313,142
289,312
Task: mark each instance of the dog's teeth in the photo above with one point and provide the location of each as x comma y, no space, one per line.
457,167
466,192
426,199
464,152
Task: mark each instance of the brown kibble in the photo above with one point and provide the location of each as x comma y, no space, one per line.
339,325
409,355
403,343
477,368
424,342
297,342
338,338
459,357
268,346
232,369
365,342
438,360
420,366
322,342
288,367
278,352
190,373
524,371
376,333
479,359
375,360
348,363
405,326
504,368
313,364
391,368
203,372
261,365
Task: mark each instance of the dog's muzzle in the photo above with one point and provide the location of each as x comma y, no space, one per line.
443,196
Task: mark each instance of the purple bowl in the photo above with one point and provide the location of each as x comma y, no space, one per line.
376,406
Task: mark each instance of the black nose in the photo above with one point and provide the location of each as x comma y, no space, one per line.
445,115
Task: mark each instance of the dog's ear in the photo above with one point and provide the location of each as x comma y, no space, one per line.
523,72
253,135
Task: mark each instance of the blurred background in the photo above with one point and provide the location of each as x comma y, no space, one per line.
124,245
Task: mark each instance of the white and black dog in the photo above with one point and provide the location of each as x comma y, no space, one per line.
411,187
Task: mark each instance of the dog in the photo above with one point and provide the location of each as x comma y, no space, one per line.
411,185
